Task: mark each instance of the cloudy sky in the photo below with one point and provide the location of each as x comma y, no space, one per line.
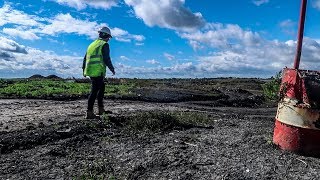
158,38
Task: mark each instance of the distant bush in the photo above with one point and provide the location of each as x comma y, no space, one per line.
271,88
3,83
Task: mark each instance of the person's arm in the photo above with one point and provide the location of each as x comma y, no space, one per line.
84,62
106,57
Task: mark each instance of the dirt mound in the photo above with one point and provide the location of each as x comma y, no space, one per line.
36,76
174,95
217,97
53,77
240,98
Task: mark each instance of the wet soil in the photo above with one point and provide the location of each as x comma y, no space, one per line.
47,139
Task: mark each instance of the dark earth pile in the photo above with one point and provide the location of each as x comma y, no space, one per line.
38,76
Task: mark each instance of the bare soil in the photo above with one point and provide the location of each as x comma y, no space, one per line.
48,139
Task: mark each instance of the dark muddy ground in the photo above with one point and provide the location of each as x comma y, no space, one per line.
44,139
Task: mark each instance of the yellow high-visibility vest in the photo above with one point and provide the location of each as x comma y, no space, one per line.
95,66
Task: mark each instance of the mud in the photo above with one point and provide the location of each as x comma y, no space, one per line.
232,97
47,139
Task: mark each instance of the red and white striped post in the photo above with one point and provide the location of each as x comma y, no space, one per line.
297,126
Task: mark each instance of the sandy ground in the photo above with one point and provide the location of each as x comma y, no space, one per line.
41,139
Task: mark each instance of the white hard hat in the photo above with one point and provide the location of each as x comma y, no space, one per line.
105,30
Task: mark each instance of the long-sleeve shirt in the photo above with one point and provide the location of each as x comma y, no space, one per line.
105,55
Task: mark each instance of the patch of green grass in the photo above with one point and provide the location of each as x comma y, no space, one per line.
93,176
45,88
121,89
194,118
40,88
152,121
271,88
3,83
269,139
97,170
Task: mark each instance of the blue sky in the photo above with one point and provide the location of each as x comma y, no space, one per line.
158,38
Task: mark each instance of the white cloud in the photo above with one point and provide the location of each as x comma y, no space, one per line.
169,56
138,37
121,39
65,23
30,27
8,45
166,13
163,13
125,36
124,58
12,16
17,58
24,34
235,51
139,44
82,4
286,23
261,61
184,70
238,51
231,62
152,61
185,67
221,36
287,26
260,2
316,4
249,61
118,32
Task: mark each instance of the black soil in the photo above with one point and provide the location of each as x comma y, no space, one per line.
46,139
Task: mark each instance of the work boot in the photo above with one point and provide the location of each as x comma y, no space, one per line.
91,115
102,111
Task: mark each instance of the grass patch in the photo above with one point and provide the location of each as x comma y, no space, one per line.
42,88
120,89
271,88
97,170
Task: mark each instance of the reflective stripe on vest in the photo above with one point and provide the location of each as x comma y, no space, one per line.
94,60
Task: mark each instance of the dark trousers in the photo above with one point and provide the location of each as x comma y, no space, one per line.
97,92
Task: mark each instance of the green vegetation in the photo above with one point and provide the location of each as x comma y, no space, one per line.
44,88
119,89
271,88
97,170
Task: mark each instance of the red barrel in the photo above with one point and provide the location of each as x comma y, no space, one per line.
297,126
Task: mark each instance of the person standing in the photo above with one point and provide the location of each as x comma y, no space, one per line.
95,61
